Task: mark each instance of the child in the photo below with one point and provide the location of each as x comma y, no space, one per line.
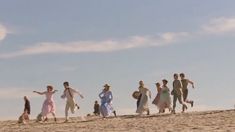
96,108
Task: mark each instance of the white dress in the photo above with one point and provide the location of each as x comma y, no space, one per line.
143,106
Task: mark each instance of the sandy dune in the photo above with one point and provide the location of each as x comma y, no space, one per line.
223,120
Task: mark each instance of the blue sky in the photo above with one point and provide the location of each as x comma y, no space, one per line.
90,43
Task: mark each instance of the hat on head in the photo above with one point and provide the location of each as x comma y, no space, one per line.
106,85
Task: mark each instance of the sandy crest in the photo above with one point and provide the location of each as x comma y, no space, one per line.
223,120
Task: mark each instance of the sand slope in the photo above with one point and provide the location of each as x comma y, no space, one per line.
223,120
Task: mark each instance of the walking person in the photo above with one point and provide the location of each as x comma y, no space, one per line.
185,83
143,104
49,103
24,118
69,94
165,99
177,93
139,97
157,98
106,97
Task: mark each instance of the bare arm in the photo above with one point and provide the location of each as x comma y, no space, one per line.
149,94
191,83
41,93
78,93
55,91
158,90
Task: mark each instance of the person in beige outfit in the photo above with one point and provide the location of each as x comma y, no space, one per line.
143,105
177,93
69,94
185,83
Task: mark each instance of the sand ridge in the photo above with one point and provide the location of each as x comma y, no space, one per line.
220,120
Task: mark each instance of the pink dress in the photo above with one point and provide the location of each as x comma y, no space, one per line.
49,104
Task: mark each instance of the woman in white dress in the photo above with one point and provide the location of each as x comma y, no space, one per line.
165,99
143,105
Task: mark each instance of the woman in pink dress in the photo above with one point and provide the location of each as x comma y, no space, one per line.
49,104
157,98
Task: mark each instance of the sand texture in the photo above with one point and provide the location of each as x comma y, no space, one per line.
221,120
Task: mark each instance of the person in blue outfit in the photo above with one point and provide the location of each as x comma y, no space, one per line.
106,102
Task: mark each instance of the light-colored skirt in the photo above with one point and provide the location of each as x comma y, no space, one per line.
156,99
164,101
106,109
143,106
48,107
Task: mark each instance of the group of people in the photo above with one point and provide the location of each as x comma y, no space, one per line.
163,97
69,93
162,100
48,106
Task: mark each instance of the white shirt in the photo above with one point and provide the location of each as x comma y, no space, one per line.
69,91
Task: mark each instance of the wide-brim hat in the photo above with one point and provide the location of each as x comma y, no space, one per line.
106,85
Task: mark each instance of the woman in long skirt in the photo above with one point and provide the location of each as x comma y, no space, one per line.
165,99
143,105
106,102
49,104
157,98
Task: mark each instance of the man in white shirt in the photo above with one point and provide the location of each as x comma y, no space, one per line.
70,103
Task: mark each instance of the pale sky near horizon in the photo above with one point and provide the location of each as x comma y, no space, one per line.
90,43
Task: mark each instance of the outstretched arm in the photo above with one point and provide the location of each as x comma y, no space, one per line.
78,93
191,83
41,93
55,91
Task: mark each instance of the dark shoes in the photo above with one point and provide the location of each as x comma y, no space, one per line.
114,112
77,106
148,112
46,119
184,108
191,103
